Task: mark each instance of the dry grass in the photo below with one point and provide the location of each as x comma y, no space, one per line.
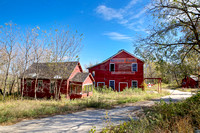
180,117
12,111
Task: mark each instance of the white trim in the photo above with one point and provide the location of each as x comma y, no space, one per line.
122,82
88,84
114,67
114,84
100,82
136,67
132,83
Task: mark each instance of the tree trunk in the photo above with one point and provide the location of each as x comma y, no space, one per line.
11,88
5,81
36,88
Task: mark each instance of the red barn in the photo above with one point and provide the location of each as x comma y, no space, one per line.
190,82
68,76
119,71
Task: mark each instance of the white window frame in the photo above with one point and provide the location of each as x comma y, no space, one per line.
132,83
110,67
114,84
120,83
100,82
136,67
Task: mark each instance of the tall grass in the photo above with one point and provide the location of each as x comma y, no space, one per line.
180,117
13,110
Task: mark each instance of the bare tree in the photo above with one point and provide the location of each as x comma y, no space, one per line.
26,50
40,54
8,39
64,46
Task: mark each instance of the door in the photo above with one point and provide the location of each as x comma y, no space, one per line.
112,84
122,86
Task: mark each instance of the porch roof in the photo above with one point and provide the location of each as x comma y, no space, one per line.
80,77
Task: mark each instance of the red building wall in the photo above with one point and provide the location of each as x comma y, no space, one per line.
30,91
44,91
189,83
123,74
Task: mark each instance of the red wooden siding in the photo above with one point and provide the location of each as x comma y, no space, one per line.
65,87
123,73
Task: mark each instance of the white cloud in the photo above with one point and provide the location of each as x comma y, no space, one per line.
131,4
126,16
109,13
117,36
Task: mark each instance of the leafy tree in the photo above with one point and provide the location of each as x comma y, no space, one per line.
176,29
173,41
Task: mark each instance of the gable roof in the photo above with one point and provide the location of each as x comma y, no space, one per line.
80,77
195,78
122,50
51,70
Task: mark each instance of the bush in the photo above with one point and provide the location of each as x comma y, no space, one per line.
183,116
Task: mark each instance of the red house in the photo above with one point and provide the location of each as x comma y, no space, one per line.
119,71
190,82
68,77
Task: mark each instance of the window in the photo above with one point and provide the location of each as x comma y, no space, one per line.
93,73
112,84
28,84
134,84
100,84
112,67
52,87
40,85
134,67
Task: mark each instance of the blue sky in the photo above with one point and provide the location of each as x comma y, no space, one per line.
107,25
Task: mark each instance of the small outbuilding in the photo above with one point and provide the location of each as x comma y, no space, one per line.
49,79
190,82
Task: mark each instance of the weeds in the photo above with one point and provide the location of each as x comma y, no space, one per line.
183,116
13,110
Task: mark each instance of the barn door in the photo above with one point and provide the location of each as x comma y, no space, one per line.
122,86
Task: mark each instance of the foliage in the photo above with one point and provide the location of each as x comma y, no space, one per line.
182,116
171,49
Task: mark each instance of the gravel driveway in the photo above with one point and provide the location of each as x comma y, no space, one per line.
83,121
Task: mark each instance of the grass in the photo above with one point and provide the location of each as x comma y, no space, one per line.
12,110
183,116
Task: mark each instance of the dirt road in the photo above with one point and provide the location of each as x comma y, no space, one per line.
83,121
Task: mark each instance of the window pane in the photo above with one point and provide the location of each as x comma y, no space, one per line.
134,84
134,67
52,87
112,67
112,84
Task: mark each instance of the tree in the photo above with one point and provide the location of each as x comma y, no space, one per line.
177,28
8,40
174,37
64,45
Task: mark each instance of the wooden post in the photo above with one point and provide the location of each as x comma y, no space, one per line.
158,87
